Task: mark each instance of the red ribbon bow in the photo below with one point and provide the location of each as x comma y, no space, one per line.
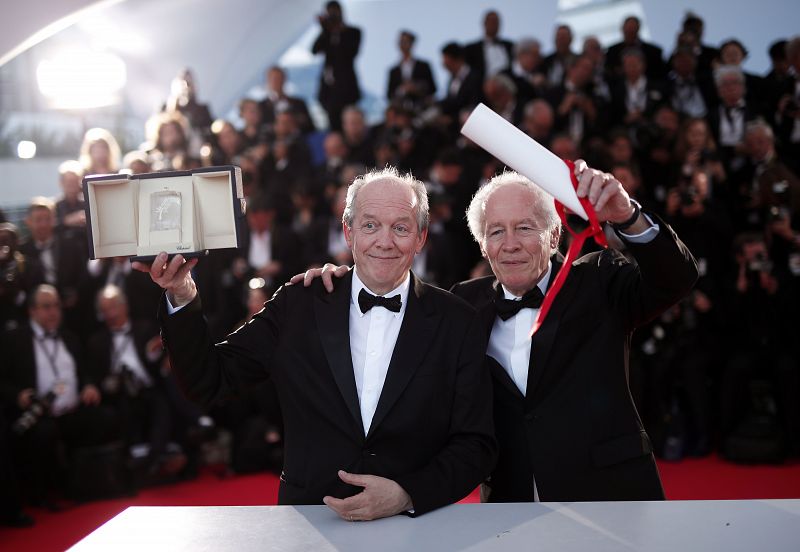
578,238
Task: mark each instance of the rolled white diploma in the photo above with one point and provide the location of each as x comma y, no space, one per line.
523,154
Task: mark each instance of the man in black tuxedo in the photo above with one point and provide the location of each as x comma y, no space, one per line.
46,362
653,55
56,259
386,402
729,118
338,83
491,54
278,101
555,65
566,425
464,87
410,81
125,359
636,95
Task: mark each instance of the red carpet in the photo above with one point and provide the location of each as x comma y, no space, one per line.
707,478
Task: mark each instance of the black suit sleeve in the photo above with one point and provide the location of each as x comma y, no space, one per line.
210,373
665,271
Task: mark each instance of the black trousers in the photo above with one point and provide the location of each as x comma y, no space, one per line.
41,451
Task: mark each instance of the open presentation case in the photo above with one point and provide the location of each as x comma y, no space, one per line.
186,212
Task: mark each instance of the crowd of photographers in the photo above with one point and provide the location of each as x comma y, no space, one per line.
691,135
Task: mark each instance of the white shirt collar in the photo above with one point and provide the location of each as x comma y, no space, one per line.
38,331
402,289
542,284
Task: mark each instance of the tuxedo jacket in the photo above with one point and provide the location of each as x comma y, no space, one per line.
576,432
653,57
19,364
432,430
469,94
340,62
101,350
421,74
474,56
654,97
297,106
70,259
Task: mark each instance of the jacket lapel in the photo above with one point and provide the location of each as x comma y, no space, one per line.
416,335
487,314
332,311
545,338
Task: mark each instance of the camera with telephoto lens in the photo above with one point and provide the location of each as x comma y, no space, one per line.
124,382
40,406
760,263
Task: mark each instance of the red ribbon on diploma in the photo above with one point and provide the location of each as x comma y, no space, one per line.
578,238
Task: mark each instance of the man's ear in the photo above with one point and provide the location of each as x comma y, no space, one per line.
348,235
421,242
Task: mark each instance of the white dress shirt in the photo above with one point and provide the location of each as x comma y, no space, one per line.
636,95
372,339
55,371
731,125
123,353
260,253
48,259
495,57
510,340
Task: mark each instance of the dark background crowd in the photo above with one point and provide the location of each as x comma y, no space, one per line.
711,149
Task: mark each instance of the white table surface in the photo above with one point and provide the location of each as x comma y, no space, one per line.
674,526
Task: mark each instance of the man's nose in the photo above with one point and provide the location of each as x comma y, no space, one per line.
510,242
385,238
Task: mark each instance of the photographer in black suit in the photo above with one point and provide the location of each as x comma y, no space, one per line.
410,81
338,83
125,358
46,370
491,54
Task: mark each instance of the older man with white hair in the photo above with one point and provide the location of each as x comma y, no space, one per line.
385,396
565,421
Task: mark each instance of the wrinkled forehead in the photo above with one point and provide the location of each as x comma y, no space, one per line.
384,194
512,202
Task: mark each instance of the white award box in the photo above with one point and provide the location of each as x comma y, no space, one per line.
180,212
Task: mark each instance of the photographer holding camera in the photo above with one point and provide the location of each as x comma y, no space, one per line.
338,83
43,360
125,357
760,330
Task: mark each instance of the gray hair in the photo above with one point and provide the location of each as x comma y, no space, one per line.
526,45
759,125
393,175
111,291
538,105
476,212
728,70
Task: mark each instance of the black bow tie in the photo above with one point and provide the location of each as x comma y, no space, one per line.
366,301
506,308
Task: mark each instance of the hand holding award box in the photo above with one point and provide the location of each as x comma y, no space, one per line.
180,212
